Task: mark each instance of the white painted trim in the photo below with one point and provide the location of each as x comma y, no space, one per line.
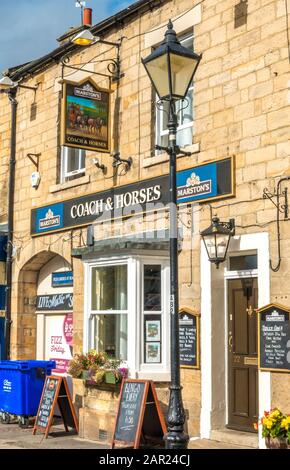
181,23
205,345
243,243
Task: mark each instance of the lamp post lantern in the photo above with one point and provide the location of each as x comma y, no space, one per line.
171,68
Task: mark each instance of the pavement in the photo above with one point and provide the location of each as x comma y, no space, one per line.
14,437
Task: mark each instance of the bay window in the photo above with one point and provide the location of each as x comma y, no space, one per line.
127,313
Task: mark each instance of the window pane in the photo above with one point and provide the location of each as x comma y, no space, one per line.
110,335
75,160
109,288
152,288
243,262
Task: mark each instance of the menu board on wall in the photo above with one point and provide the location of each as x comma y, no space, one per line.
274,338
189,338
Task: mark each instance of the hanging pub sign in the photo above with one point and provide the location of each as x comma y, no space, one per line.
85,116
274,338
189,338
209,181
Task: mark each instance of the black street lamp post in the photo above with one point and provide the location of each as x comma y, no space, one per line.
171,68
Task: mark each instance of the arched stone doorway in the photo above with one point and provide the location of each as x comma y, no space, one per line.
24,332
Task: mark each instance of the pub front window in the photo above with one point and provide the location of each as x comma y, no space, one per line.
128,313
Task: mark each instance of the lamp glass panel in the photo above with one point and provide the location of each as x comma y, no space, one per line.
182,69
222,244
210,244
157,69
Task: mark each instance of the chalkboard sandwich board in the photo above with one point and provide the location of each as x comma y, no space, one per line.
189,338
139,419
55,391
274,338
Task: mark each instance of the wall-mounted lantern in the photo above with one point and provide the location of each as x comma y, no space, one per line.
216,239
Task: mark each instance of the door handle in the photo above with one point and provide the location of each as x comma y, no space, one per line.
251,310
230,342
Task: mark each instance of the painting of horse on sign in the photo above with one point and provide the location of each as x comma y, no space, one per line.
86,122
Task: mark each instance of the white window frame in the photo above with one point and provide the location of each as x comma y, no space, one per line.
65,174
159,121
135,316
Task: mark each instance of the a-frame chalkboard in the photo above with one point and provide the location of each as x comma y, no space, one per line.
139,418
55,392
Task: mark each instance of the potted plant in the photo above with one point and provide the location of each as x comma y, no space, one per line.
113,372
96,368
275,429
84,366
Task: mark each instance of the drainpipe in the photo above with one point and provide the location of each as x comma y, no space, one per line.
12,98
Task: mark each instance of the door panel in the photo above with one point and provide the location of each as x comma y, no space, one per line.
242,353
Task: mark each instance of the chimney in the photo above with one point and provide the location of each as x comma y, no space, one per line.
87,17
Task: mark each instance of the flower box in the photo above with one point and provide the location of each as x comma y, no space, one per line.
110,378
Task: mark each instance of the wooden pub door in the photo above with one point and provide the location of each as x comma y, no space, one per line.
242,354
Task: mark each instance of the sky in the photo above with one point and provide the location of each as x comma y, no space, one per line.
29,28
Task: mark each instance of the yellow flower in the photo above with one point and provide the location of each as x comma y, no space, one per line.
275,413
285,423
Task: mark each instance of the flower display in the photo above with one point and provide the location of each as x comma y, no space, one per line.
275,424
95,365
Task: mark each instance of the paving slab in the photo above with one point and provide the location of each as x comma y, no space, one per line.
14,437
211,444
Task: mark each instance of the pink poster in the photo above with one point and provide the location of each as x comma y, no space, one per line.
59,340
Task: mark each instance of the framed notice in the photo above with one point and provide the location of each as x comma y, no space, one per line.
189,338
274,338
85,116
153,352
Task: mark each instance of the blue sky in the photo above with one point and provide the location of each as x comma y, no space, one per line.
29,28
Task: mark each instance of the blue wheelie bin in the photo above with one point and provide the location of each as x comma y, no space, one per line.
21,384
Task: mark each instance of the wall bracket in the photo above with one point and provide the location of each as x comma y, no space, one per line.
280,200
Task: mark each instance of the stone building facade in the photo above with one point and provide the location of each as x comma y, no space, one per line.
241,112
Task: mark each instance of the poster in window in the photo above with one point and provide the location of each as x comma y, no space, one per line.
85,116
152,352
59,341
152,330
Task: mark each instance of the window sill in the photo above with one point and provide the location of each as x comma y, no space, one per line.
155,376
163,157
69,184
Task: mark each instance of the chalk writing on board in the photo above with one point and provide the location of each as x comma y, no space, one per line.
188,340
274,333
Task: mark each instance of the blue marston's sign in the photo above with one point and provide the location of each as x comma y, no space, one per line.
208,181
62,279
